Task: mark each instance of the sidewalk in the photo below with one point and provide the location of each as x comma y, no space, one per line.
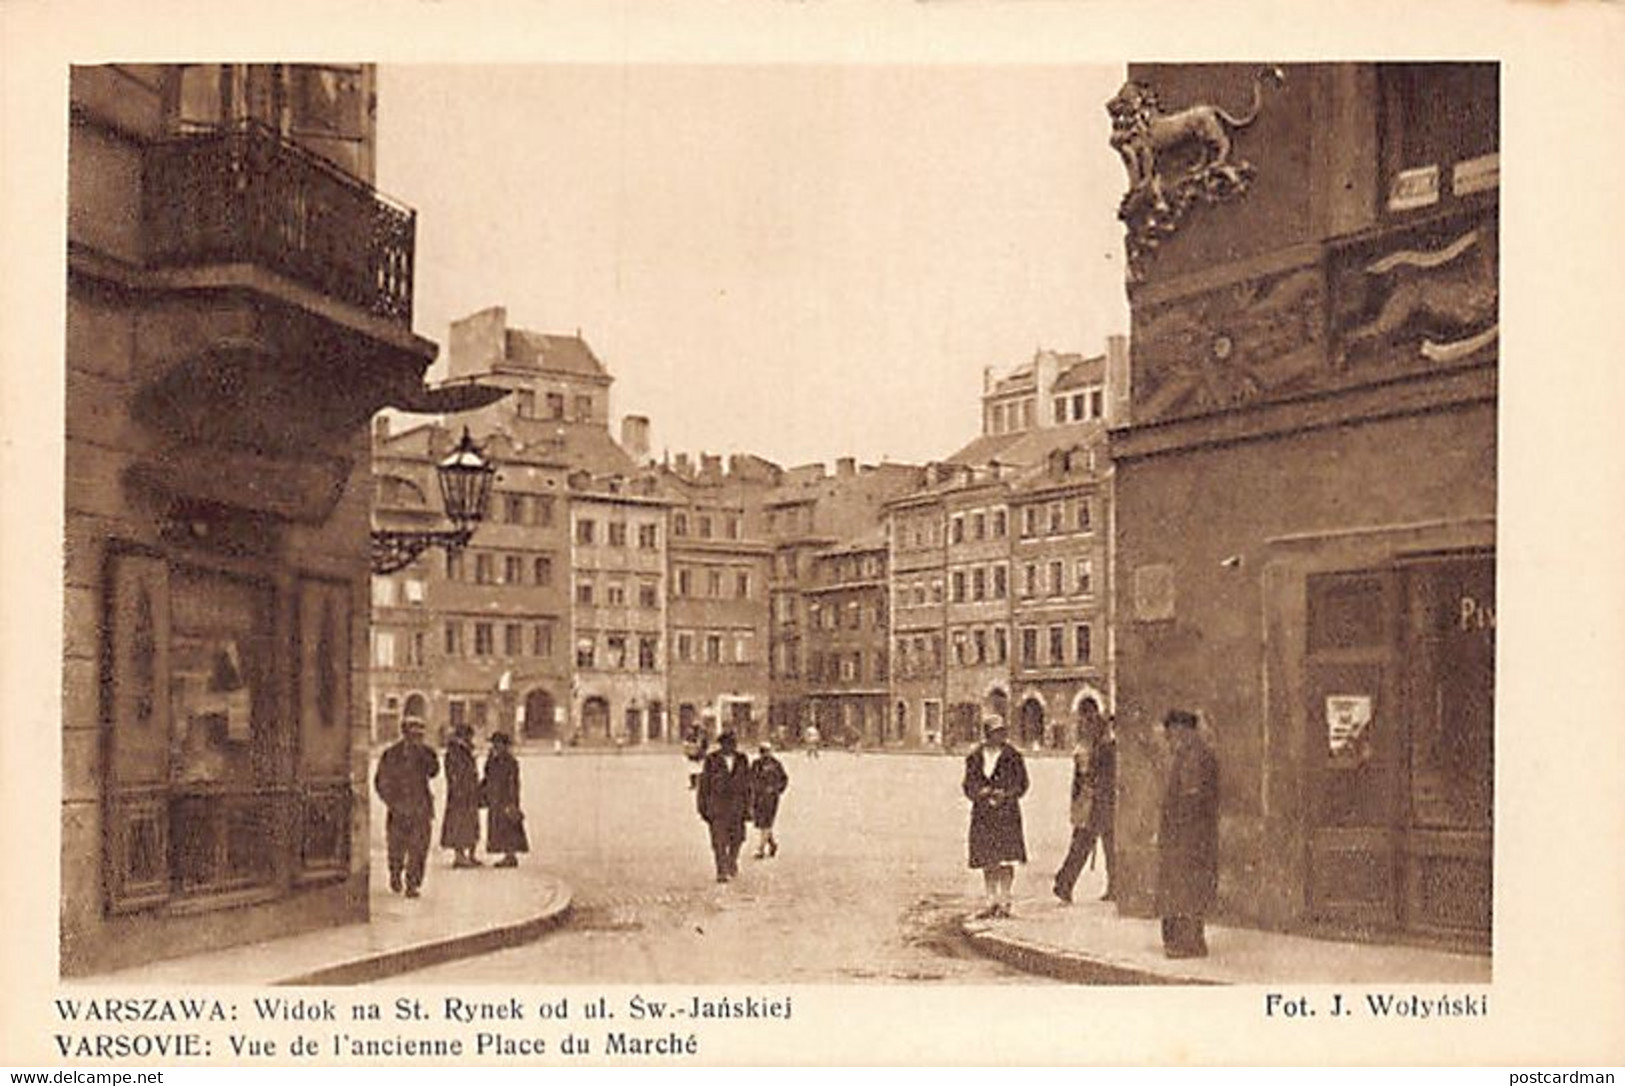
461,914
1088,942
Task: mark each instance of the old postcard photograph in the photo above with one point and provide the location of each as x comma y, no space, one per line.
669,534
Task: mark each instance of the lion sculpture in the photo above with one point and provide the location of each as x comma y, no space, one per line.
1142,130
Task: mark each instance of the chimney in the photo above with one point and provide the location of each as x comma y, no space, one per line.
1046,367
635,438
987,380
846,467
1119,381
710,466
682,465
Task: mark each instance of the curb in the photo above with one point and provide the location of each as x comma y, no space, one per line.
1071,966
391,963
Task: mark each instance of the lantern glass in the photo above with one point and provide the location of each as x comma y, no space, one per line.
465,483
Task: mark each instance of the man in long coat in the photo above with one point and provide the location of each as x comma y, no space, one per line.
1187,839
402,780
724,802
1094,800
504,821
768,780
460,828
995,781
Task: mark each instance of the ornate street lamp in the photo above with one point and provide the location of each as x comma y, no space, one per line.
465,488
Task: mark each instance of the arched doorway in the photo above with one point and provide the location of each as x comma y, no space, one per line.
595,720
539,716
416,707
1030,731
657,720
634,724
901,735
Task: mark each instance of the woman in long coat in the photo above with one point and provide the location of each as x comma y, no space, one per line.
995,781
1187,839
768,780
504,821
460,829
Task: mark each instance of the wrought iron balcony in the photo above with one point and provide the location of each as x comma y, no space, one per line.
246,195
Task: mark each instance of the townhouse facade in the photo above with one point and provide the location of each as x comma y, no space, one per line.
848,649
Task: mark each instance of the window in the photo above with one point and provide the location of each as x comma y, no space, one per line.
617,534
685,647
383,592
413,588
585,652
454,638
1086,576
648,537
484,639
649,594
555,405
713,648
1060,409
1026,414
742,584
959,585
1057,645
1082,643
583,408
513,569
742,642
1436,120
1029,579
1029,646
1057,518
513,508
415,655
1057,578
998,524
1001,645
936,590
542,570
979,637
733,528
584,593
585,530
1078,408
1097,403
454,565
525,403
513,639
961,648
685,582
713,583
978,526
679,524
383,648
1001,578
648,653
615,594
978,580
484,569
542,504
704,523
615,651
956,529
1086,515
936,651
1029,521
541,639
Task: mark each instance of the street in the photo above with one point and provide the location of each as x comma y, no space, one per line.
869,883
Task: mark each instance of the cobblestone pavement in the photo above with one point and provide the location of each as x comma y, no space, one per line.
868,886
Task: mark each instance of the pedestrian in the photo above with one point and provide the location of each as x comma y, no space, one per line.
1094,801
768,780
460,828
995,781
724,801
504,821
1187,838
695,746
811,738
402,780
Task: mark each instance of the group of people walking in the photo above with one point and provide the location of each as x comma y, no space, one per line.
731,788
1188,832
402,780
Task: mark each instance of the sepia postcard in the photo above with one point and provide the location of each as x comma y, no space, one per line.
659,535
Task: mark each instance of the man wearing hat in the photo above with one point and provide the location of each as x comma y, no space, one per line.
460,828
724,801
402,780
995,781
768,780
504,820
1187,838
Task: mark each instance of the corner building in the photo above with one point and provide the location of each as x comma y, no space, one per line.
1305,492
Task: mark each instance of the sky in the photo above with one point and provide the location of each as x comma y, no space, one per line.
798,261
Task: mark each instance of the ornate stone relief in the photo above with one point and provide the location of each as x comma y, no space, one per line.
1175,160
1422,301
1244,342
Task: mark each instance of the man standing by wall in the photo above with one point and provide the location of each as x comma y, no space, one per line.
1094,800
402,780
1187,839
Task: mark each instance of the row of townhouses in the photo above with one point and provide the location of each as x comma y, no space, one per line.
613,600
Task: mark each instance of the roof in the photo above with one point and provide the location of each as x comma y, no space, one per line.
985,449
559,354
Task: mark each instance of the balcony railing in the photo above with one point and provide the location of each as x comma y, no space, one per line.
246,195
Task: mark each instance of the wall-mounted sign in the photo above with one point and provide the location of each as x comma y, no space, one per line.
1348,722
1154,593
1414,188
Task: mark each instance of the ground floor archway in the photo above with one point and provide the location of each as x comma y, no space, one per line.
541,720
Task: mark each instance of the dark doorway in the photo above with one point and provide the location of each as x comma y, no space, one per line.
539,716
